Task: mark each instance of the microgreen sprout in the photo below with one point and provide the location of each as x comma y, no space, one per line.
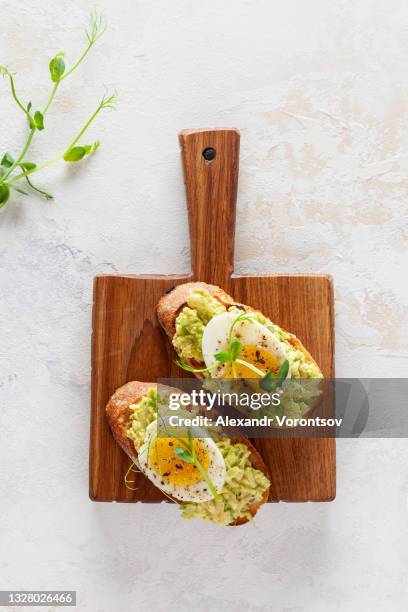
270,381
187,453
235,347
133,469
14,168
231,356
188,368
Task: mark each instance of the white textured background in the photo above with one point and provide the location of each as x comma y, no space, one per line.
319,91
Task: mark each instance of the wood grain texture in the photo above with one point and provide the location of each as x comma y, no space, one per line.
128,345
211,192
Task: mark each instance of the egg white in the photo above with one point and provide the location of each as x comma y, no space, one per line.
249,333
197,492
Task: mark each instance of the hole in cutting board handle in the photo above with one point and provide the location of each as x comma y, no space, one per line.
209,153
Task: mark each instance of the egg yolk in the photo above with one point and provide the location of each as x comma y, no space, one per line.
164,461
261,358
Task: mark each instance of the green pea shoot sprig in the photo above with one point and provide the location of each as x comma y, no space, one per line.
270,382
187,453
129,483
15,168
232,356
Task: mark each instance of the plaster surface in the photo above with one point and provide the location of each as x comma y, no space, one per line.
319,92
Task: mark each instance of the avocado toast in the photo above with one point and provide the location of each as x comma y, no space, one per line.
243,477
186,311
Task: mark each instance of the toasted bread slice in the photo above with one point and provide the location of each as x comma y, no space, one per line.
118,415
170,305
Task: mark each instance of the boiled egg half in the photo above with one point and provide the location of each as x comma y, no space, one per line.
260,347
183,481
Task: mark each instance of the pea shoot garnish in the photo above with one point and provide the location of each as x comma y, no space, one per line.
186,452
133,469
270,381
232,356
18,167
188,368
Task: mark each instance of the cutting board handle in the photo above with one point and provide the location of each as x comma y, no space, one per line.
210,162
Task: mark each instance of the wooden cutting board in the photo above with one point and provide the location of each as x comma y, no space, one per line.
127,343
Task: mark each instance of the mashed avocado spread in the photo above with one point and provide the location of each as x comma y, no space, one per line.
243,487
142,414
202,306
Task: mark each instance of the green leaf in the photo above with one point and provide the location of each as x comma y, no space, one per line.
270,382
31,121
28,166
4,195
183,454
235,349
75,154
222,357
7,160
39,120
267,382
88,149
283,370
57,67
